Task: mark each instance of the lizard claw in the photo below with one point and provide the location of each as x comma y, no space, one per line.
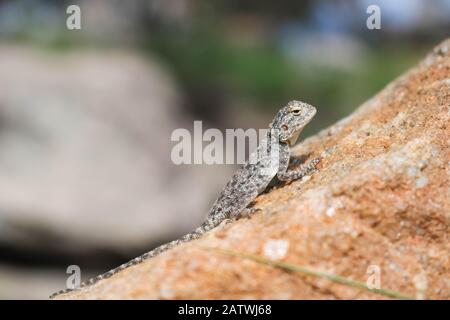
247,212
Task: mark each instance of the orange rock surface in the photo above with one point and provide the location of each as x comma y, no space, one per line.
381,198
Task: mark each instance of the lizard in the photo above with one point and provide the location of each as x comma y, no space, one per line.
269,160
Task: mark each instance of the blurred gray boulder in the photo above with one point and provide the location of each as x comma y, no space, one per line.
85,153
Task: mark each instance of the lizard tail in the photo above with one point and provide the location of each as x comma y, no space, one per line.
205,227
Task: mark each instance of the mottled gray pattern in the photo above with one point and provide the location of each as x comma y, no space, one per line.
270,159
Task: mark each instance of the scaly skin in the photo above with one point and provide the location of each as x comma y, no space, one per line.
270,159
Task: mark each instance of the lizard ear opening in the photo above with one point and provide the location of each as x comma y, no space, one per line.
285,127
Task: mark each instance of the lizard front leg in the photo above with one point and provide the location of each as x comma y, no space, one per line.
284,174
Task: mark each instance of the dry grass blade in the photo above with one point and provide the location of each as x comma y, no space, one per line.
310,272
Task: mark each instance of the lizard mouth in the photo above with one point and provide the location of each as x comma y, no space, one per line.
293,139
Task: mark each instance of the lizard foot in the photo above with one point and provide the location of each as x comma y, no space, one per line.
247,212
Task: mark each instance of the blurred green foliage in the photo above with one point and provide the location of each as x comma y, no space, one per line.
215,66
204,60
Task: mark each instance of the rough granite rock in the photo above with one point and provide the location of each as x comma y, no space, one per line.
381,198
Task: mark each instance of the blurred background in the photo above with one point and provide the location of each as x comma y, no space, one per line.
86,115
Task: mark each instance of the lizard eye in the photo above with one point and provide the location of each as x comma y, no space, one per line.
296,111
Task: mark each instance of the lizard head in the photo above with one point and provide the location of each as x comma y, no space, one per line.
291,119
